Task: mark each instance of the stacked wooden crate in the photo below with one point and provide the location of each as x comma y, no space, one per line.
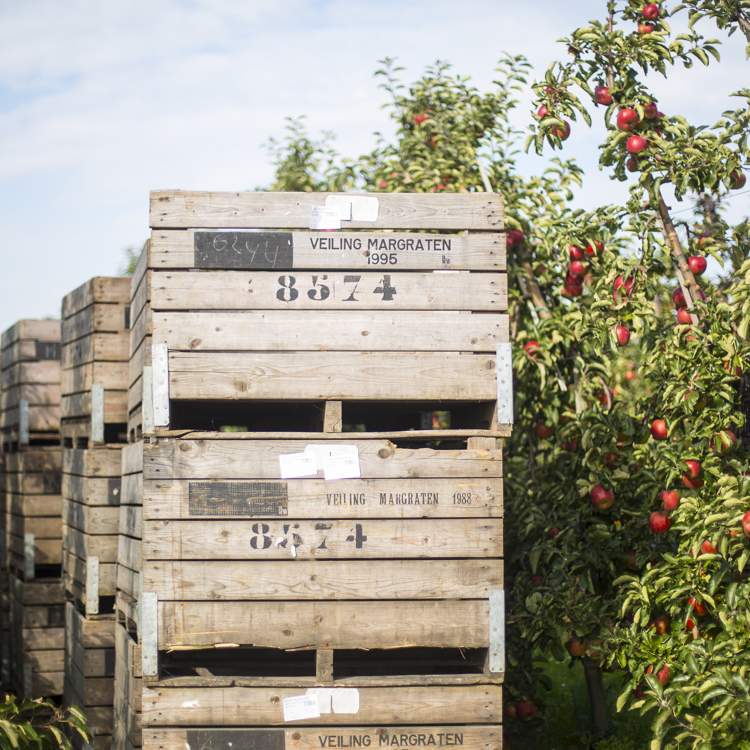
5,639
29,437
362,604
95,330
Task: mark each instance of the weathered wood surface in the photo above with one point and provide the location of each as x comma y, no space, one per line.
184,209
34,460
326,624
283,540
41,528
47,371
103,289
93,635
132,489
112,375
46,551
332,330
318,579
129,582
79,405
40,330
367,290
34,505
93,462
92,490
141,328
332,375
131,520
41,418
34,393
102,347
94,691
94,520
321,499
35,639
45,661
38,592
132,458
379,459
263,706
85,545
75,574
293,737
97,318
129,553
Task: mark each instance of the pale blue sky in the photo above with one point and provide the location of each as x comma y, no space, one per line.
101,102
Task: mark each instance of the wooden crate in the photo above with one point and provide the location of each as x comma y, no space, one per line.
5,631
128,702
30,384
91,489
140,412
90,672
278,324
95,333
129,540
33,517
37,615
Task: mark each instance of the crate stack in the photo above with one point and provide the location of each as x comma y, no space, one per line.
32,506
95,331
5,641
321,567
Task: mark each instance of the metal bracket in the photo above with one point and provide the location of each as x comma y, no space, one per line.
160,364
149,633
497,631
92,585
28,557
147,402
97,413
504,384
23,421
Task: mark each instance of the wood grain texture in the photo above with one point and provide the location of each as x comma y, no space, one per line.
241,290
38,330
35,394
75,575
102,347
86,545
178,209
92,520
275,540
217,707
469,737
107,289
318,579
444,376
47,371
379,459
97,318
335,499
329,331
92,490
112,375
132,458
79,405
93,462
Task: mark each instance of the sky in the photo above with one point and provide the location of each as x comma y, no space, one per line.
102,102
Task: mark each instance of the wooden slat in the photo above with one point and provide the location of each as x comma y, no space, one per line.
91,633
75,571
112,375
283,540
184,209
93,520
93,462
40,527
318,579
20,351
333,330
85,545
35,394
106,289
103,347
39,330
321,499
41,418
46,551
34,460
96,318
195,706
444,376
240,290
35,505
79,405
474,737
140,329
132,458
34,483
92,490
379,459
47,371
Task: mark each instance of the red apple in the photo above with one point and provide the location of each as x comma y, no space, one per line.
602,498
531,348
659,522
689,625
542,431
627,119
670,498
684,317
650,111
629,374
708,549
659,429
724,442
638,693
623,335
700,402
563,132
746,523
625,284
611,459
651,12
526,710
554,532
697,264
542,111
738,180
537,580
631,164
577,268
602,95
383,184
636,144
678,297
510,711
663,675
645,28
576,646
576,253
698,607
595,248
433,142
692,478
660,624
572,290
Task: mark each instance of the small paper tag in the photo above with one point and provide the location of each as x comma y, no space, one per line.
336,700
344,205
365,209
343,464
324,217
293,465
300,707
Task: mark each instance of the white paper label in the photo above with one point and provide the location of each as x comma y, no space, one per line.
343,464
343,204
323,217
336,700
293,465
300,707
365,209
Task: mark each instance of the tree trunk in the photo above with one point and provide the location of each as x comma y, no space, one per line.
595,685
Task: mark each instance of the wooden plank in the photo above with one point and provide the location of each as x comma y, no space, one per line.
47,371
37,483
444,376
95,691
92,634
75,573
41,528
79,405
367,290
322,579
106,289
93,462
109,347
132,458
129,553
47,684
379,459
141,295
469,737
41,418
141,267
92,520
45,661
130,520
35,394
314,540
46,551
40,330
129,582
34,460
142,357
132,489
92,490
85,545
141,327
37,592
332,330
35,505
112,375
35,639
214,707
43,616
184,209
96,318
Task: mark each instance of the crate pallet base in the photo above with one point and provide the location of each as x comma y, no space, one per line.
76,434
38,631
90,671
128,690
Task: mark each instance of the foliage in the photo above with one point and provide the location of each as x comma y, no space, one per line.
132,253
39,724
